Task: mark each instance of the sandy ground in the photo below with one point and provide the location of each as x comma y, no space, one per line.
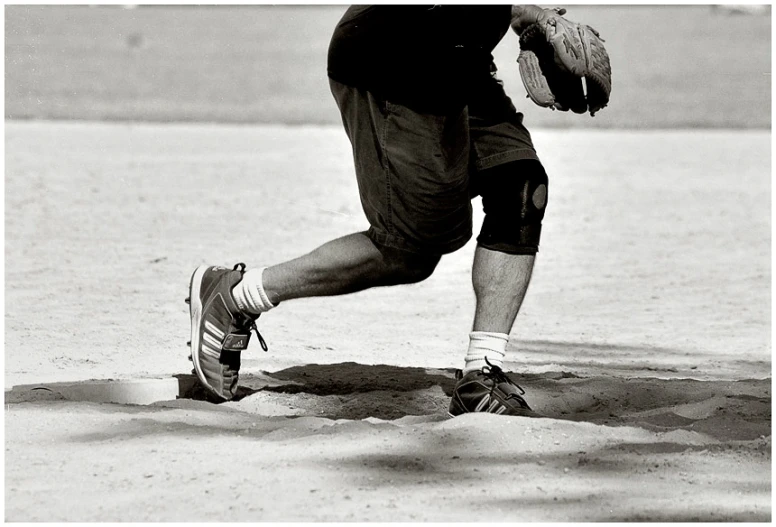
644,339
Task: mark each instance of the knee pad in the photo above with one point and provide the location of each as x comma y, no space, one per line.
514,197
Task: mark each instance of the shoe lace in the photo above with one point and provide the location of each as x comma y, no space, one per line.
251,321
497,375
261,339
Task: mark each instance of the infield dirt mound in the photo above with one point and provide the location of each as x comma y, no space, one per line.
724,410
358,442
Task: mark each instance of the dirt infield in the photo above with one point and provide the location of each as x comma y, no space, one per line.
369,443
644,338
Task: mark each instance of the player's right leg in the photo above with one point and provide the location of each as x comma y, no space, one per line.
225,303
346,265
412,173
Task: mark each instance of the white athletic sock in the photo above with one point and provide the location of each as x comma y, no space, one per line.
249,293
485,344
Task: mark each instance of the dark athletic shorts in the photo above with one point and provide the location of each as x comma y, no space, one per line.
417,172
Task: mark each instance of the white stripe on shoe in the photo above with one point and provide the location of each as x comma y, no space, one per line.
211,351
214,330
211,340
482,403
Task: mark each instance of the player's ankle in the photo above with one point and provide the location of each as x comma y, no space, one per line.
485,345
249,294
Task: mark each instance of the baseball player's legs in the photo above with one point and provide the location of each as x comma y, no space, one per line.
514,197
512,183
513,186
500,280
413,179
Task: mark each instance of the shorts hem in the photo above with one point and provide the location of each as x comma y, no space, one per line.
396,242
508,249
506,157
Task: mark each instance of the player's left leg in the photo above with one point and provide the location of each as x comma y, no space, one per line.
500,282
513,185
514,198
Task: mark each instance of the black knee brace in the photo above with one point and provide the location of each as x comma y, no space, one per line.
514,196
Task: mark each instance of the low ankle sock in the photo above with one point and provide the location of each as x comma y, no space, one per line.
249,293
485,344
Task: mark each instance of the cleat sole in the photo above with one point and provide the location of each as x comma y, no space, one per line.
195,312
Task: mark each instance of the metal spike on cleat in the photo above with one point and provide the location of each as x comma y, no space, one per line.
187,300
192,360
188,343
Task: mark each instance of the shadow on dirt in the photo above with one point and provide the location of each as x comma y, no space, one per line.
725,410
330,379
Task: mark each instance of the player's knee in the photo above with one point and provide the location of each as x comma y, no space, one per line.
514,197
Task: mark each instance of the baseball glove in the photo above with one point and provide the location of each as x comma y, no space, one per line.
556,55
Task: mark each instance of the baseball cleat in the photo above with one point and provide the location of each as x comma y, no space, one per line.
219,330
488,390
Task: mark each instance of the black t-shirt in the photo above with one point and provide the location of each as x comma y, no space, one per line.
422,56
